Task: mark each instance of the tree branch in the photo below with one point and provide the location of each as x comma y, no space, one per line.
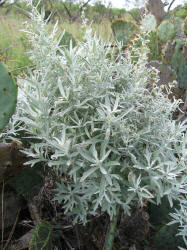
169,7
71,17
67,10
2,2
80,9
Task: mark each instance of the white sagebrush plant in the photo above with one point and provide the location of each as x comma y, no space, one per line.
180,217
110,140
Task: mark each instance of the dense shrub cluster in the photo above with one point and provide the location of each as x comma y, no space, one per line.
110,139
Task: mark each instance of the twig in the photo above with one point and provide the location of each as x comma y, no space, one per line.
77,235
66,241
169,7
23,67
33,211
23,242
185,102
182,116
72,226
111,233
12,231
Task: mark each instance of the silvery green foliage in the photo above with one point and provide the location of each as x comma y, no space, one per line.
12,130
180,217
110,140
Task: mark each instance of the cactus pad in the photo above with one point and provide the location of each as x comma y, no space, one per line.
166,238
155,47
149,23
179,63
178,25
124,31
166,76
27,183
185,27
8,96
42,237
166,31
168,51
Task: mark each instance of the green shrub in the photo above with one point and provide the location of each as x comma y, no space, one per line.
99,126
182,13
180,218
136,14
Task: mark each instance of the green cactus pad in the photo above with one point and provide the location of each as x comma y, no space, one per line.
166,31
185,27
42,237
27,183
166,76
149,23
155,47
179,63
124,31
168,51
8,95
178,25
159,214
166,238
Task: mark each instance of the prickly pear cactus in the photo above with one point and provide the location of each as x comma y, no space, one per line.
155,47
166,76
185,27
149,23
42,237
168,51
27,183
179,63
166,238
166,31
159,214
124,31
178,25
8,95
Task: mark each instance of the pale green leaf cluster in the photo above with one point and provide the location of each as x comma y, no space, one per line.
180,217
110,139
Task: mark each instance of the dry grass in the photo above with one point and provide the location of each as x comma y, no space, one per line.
13,42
